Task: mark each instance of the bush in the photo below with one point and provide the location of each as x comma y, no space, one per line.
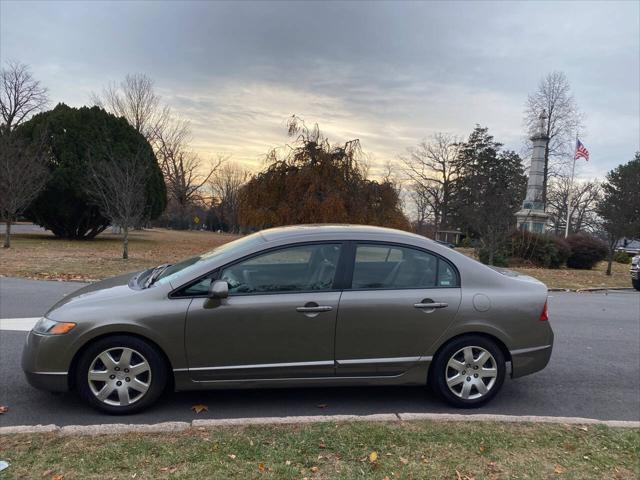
586,251
622,257
540,250
499,258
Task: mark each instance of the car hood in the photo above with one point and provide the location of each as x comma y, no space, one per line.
98,292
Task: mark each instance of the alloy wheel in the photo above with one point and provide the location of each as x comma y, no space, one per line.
471,372
119,376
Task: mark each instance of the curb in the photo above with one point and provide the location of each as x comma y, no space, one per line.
174,427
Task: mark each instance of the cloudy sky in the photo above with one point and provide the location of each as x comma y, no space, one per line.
387,73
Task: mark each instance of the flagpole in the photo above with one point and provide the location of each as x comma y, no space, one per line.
573,171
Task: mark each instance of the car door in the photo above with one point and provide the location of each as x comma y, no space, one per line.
401,300
278,321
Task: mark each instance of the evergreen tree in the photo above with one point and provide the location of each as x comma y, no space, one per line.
488,192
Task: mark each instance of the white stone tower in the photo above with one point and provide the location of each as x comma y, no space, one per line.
532,216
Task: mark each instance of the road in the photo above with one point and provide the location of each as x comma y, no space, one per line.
594,373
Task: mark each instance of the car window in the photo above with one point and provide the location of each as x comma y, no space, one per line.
289,269
185,268
392,266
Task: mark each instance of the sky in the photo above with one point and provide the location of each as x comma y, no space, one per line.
388,73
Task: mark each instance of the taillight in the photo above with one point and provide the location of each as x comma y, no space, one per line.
544,315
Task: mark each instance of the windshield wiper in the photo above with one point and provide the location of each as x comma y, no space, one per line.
155,274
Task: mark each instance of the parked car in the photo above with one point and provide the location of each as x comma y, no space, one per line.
296,306
635,272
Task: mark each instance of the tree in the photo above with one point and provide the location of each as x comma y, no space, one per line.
489,190
20,95
185,174
226,184
74,136
23,174
135,99
316,182
585,196
554,97
116,183
432,167
620,204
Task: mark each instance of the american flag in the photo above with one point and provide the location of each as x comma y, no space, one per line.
581,151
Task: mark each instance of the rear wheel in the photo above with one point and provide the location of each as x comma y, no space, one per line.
469,371
121,374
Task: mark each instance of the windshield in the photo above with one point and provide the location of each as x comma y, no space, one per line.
187,266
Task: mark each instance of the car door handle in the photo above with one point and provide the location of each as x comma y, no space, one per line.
431,305
316,309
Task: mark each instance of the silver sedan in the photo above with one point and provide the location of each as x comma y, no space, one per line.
296,306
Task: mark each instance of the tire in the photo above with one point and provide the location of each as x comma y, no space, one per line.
452,363
636,284
121,374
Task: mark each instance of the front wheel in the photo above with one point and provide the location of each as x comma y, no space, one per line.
121,374
469,371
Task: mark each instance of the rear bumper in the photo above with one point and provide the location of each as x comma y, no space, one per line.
529,360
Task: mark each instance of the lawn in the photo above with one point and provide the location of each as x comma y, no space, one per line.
43,256
367,450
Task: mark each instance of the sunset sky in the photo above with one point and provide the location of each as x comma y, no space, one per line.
387,73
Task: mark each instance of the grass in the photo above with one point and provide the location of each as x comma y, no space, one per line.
572,278
43,256
408,450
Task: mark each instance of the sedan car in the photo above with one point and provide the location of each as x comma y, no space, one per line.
635,272
296,306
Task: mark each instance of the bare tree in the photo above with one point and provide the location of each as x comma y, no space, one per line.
20,95
225,185
185,174
135,99
585,196
421,202
116,182
23,174
432,168
563,121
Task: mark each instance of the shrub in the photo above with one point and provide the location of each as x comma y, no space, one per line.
541,250
586,251
622,257
499,258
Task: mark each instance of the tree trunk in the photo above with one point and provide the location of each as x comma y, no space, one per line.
7,234
125,242
612,246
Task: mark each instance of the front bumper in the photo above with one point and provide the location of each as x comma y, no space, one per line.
44,362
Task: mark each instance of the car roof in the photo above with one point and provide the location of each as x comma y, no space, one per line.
344,231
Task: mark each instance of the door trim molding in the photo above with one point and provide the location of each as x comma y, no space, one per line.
368,361
324,363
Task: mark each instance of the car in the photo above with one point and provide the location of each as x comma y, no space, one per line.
322,305
635,272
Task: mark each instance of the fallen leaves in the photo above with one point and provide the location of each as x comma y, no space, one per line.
559,470
3,409
232,456
199,408
373,457
171,469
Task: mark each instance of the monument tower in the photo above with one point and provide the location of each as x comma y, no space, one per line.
532,216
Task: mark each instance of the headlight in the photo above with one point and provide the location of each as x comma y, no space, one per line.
44,326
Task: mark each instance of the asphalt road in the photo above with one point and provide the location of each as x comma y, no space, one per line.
594,372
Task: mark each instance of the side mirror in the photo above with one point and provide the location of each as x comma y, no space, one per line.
219,289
